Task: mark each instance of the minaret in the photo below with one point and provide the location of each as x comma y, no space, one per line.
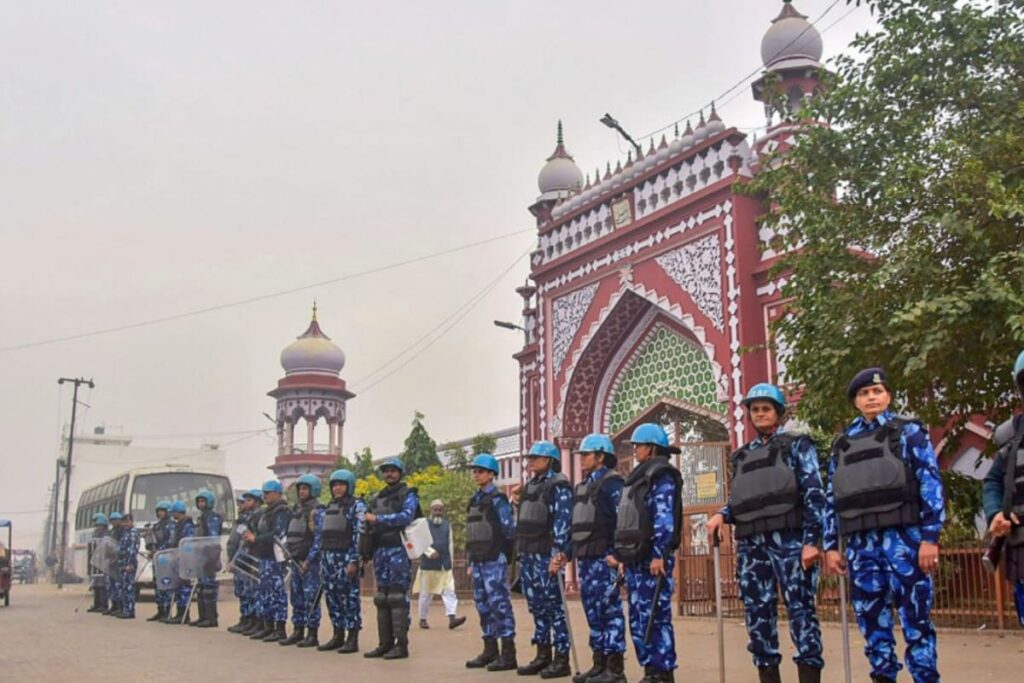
791,52
310,391
559,179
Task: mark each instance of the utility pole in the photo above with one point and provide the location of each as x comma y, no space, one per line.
78,381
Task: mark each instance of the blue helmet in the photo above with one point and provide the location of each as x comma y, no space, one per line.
179,506
100,519
255,494
344,476
163,505
312,481
115,516
653,434
272,486
599,443
392,462
207,495
545,449
766,392
485,461
1018,371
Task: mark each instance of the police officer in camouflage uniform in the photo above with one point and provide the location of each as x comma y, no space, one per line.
128,563
116,533
490,533
776,505
647,535
390,511
182,527
544,548
594,518
271,528
160,539
303,544
256,605
1003,494
885,499
98,581
245,588
209,523
339,535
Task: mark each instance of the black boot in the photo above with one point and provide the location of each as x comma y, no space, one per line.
558,668
769,674
335,642
159,614
351,643
489,654
260,630
882,679
614,669
113,610
595,670
277,634
651,675
169,616
311,639
455,622
506,661
243,623
808,674
400,624
298,633
209,608
385,629
539,662
201,606
97,606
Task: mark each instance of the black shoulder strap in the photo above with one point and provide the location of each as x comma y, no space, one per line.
1010,475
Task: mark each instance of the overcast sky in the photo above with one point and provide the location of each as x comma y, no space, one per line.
158,158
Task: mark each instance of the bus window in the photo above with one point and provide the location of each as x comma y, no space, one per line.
148,489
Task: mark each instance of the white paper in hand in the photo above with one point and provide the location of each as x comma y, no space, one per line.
279,553
416,538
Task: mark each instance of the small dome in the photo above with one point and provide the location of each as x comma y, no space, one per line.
714,124
790,36
560,173
313,353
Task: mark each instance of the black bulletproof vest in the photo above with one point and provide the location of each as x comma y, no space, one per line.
387,502
300,530
763,493
1015,462
178,530
635,528
162,533
203,525
593,517
235,537
484,540
337,530
534,532
874,486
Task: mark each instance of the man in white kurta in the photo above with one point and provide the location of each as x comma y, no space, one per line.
434,576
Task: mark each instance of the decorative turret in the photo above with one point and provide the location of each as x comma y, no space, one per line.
791,51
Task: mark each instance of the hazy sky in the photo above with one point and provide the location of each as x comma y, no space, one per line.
157,158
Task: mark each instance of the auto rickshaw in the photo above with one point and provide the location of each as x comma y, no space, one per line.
6,558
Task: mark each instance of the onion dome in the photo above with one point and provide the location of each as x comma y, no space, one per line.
312,353
701,133
560,173
688,139
714,124
790,37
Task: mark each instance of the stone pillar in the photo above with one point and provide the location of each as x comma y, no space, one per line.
289,437
331,427
310,427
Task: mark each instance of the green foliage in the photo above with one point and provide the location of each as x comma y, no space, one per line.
484,443
963,501
455,456
363,466
904,217
420,450
454,488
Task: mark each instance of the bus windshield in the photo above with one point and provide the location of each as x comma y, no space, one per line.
150,489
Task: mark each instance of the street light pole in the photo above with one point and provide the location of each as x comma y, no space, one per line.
78,381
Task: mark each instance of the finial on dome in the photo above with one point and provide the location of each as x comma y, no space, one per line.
652,150
608,170
314,310
560,141
664,143
676,127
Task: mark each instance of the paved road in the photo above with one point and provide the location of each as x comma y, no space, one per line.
43,638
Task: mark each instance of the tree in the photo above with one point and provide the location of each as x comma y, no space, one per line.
484,443
363,466
455,457
420,450
904,217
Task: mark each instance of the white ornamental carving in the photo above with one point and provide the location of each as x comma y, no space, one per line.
567,316
697,268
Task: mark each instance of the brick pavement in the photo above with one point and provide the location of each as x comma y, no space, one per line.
42,638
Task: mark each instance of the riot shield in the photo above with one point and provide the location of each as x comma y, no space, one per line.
245,565
199,557
103,560
165,569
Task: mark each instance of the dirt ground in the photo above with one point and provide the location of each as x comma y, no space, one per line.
47,635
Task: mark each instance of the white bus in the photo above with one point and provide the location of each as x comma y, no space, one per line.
138,491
